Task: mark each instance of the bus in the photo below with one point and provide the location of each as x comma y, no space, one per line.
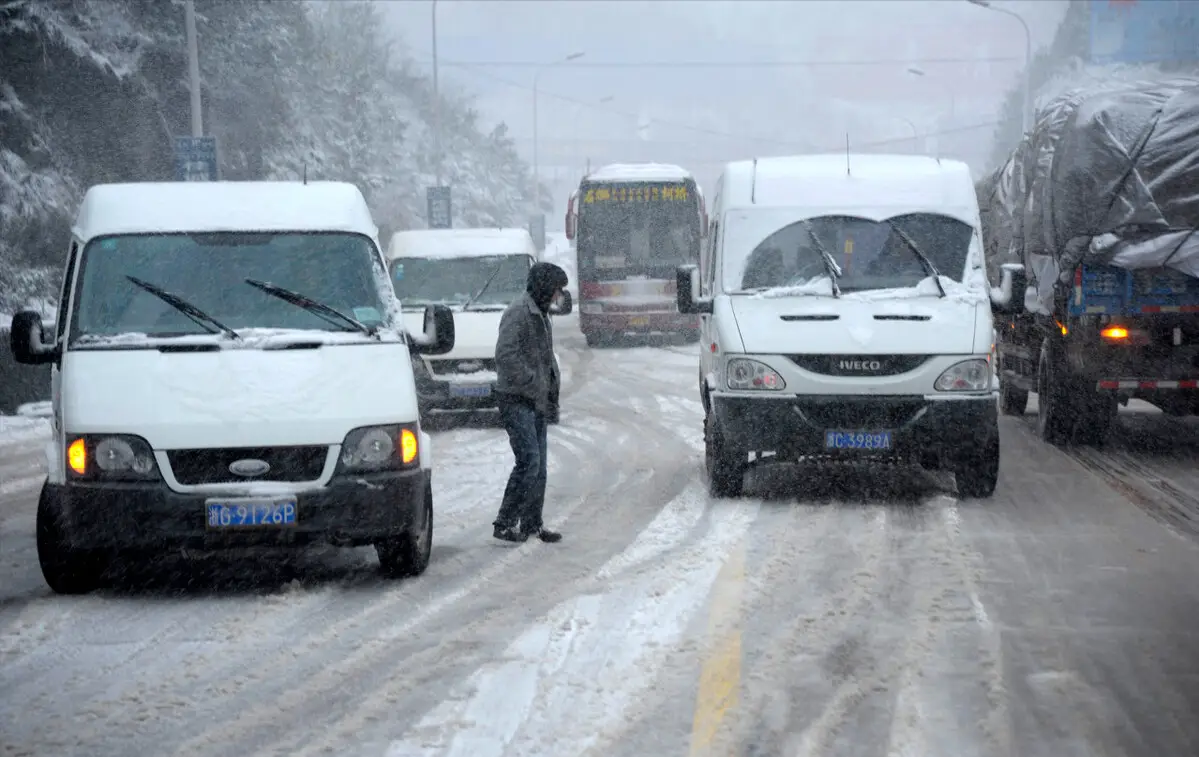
631,226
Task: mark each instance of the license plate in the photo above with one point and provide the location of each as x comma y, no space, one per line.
470,390
868,440
642,321
251,513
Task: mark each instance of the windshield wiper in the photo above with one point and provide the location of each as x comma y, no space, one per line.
486,284
929,268
830,265
202,319
319,309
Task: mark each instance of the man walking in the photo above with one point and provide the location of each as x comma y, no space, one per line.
527,378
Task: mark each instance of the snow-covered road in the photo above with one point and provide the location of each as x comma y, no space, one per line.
826,613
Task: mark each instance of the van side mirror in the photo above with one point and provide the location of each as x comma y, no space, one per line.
563,305
686,281
1008,297
25,339
438,336
570,226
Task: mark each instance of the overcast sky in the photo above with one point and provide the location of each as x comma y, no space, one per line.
848,74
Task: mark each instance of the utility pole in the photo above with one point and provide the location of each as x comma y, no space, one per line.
193,66
1028,115
436,104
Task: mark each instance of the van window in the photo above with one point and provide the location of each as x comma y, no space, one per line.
455,280
210,270
871,254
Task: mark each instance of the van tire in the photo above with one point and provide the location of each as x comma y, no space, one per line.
66,570
1012,399
408,555
977,473
593,339
725,467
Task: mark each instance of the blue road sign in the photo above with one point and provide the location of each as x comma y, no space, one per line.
195,159
440,211
1144,31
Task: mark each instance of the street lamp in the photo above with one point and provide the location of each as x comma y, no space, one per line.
536,167
1028,111
915,132
193,66
914,71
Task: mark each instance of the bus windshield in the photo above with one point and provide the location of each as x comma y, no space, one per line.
637,231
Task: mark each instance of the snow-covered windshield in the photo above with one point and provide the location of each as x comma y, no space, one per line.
455,280
637,231
209,271
871,254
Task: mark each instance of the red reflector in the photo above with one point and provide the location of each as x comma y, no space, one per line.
1109,384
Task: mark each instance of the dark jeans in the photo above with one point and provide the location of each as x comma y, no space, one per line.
524,496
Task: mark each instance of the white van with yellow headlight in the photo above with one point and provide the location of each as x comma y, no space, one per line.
229,368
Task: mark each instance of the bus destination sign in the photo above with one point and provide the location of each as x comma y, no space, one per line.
655,193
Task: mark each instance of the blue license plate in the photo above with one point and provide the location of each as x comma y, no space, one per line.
867,440
469,390
251,513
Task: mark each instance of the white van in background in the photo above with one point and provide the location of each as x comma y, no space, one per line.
229,368
476,273
845,316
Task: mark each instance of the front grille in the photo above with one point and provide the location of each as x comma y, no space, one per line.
872,414
859,365
211,466
443,367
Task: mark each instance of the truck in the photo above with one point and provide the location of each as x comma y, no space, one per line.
631,226
1091,225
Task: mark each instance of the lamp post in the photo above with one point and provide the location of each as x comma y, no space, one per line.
914,71
915,132
193,66
536,167
1027,118
436,102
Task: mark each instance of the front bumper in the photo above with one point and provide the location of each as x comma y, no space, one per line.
150,516
434,394
795,426
637,323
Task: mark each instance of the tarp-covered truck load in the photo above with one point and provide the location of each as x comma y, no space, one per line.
1094,221
1108,176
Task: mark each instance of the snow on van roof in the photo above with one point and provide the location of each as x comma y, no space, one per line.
639,172
460,243
822,181
185,206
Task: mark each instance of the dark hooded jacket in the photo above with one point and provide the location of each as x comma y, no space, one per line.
524,350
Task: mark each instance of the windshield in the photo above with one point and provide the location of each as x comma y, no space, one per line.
454,281
871,254
637,230
209,272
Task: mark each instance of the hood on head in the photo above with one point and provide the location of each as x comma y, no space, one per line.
545,279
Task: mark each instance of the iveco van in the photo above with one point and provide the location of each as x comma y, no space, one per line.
475,273
845,316
229,368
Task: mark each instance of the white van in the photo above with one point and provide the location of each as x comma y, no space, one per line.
229,369
477,273
825,334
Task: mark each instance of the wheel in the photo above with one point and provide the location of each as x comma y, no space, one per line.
408,554
593,339
67,570
1012,399
1055,419
690,336
1096,413
978,472
725,467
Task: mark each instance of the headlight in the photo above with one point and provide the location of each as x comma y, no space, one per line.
114,457
378,448
966,376
591,308
750,374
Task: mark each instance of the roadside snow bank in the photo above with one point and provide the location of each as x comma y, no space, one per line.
23,428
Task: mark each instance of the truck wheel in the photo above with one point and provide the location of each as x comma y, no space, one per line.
1055,416
408,554
725,467
978,472
593,339
67,570
1097,413
1012,399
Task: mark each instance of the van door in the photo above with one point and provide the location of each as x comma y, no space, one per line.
54,464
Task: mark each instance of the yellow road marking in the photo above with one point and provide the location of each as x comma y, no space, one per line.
719,688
